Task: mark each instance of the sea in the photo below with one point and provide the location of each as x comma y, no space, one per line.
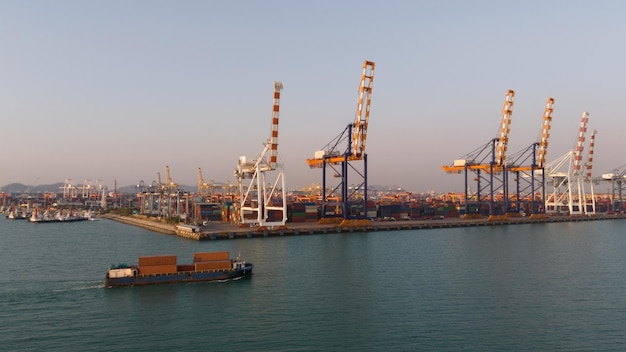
530,287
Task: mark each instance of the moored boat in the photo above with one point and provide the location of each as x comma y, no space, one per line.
164,269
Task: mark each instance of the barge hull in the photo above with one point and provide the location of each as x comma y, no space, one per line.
180,277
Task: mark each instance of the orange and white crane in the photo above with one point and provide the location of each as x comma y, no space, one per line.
489,159
262,204
545,134
333,155
505,128
356,133
528,166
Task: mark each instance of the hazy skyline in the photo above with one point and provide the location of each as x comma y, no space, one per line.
117,90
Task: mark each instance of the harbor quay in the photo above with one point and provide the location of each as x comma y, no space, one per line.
225,231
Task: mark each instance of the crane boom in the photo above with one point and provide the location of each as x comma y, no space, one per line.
589,164
355,133
362,115
201,184
545,133
580,144
278,86
168,179
505,127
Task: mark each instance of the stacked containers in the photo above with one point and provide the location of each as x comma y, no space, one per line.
371,209
160,264
397,211
212,261
416,211
210,211
303,212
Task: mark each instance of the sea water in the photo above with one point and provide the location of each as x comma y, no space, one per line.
532,287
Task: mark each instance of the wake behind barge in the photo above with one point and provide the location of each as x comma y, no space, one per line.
163,269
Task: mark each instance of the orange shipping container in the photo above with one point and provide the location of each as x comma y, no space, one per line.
157,260
157,269
209,256
214,265
186,267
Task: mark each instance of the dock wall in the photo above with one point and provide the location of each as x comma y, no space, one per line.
233,232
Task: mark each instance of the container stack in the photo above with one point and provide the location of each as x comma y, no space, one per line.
397,211
212,261
303,212
161,264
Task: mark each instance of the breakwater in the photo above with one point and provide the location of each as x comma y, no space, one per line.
221,231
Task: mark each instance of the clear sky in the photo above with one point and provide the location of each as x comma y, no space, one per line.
117,90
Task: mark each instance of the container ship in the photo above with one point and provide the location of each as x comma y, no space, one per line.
164,269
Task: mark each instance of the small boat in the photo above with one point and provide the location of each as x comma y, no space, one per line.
164,269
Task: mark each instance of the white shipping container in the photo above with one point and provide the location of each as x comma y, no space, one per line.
116,273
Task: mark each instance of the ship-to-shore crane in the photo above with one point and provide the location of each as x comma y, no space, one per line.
618,182
568,179
203,187
530,178
171,190
258,203
486,162
340,162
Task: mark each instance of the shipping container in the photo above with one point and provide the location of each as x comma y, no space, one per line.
209,256
157,269
122,272
157,260
186,267
214,265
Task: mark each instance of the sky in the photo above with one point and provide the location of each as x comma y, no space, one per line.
118,90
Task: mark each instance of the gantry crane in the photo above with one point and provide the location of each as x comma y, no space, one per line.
170,190
487,162
568,181
617,178
69,190
258,201
168,180
330,156
203,187
530,178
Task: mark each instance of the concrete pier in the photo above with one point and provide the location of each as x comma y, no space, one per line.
223,231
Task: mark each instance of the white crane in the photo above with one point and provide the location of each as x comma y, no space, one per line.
262,203
568,179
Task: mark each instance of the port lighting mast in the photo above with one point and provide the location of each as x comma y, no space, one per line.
260,203
487,162
568,180
530,179
331,159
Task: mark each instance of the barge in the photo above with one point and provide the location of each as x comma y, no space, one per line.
164,269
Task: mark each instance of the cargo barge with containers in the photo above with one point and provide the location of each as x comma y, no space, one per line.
164,269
